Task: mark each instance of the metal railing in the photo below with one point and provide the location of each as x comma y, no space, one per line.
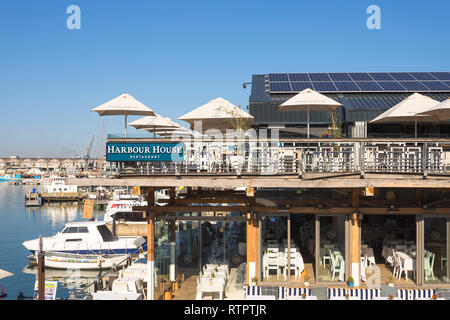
263,157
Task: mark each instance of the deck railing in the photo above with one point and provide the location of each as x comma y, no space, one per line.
263,157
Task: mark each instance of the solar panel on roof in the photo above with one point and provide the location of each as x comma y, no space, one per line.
360,76
382,76
391,86
319,77
401,76
346,86
301,85
422,76
369,86
447,83
414,86
278,77
435,85
340,77
280,86
324,86
441,75
298,77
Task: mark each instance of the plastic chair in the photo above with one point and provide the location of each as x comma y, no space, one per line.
429,264
400,266
326,254
335,266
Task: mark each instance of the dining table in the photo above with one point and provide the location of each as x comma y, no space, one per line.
213,285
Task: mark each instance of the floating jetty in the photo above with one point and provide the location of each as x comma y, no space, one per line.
63,196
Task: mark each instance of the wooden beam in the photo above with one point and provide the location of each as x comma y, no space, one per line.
294,210
203,200
263,181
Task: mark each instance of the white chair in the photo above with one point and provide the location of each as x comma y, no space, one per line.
292,265
394,264
272,261
326,255
400,266
363,268
336,266
429,264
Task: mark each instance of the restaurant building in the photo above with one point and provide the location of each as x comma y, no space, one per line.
294,212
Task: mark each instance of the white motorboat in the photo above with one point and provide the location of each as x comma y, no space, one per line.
58,260
123,202
88,237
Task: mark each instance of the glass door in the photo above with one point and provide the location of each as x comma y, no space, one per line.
331,246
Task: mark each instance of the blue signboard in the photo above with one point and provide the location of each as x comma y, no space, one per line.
141,152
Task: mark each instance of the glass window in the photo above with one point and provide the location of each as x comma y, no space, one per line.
332,249
437,250
71,230
274,249
83,230
105,233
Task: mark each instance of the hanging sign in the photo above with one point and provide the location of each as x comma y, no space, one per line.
141,152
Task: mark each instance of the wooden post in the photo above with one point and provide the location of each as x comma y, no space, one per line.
252,244
41,271
355,239
172,244
150,247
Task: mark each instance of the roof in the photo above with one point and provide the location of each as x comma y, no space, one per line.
357,106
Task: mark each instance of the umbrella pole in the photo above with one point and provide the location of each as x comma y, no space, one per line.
307,120
415,127
125,125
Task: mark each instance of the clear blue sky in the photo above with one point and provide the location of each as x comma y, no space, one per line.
176,55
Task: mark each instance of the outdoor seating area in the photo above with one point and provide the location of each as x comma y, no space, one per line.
275,258
212,280
280,157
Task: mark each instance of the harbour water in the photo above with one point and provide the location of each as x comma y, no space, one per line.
20,223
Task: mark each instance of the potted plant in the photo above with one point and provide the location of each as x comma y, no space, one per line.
303,295
350,282
306,282
347,296
390,282
391,297
434,297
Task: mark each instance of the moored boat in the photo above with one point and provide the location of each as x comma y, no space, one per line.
88,237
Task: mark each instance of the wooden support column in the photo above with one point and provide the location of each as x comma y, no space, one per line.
252,244
172,244
355,239
150,246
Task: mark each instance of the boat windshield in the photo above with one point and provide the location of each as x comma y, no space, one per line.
105,233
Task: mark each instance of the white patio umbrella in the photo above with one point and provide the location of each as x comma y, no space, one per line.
441,111
216,114
4,274
155,123
126,105
408,111
307,100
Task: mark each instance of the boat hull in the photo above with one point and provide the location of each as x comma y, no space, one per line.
63,261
